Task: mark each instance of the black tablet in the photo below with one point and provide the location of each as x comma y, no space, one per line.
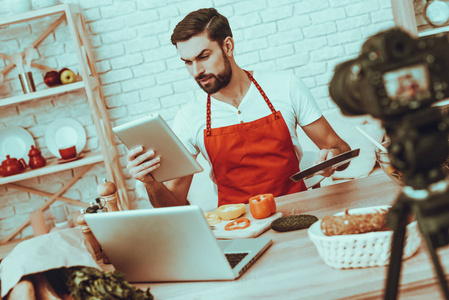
333,162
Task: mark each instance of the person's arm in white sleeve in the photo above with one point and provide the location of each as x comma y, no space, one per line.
141,162
315,124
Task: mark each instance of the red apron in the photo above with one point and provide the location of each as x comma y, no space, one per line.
252,158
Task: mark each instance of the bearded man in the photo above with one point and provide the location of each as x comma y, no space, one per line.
244,122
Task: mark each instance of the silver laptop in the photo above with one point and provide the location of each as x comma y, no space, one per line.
171,244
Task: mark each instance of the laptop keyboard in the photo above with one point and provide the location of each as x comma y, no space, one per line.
235,258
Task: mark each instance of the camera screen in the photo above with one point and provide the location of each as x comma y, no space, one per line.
406,82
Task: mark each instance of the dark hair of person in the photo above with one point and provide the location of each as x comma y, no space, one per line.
207,20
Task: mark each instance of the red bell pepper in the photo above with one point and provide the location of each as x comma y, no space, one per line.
262,206
240,223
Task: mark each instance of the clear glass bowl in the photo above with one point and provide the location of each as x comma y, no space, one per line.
384,161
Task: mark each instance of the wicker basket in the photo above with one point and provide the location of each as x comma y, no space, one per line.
361,250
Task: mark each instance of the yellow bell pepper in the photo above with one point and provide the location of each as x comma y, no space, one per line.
231,211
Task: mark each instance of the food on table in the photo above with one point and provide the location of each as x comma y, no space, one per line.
362,250
262,206
355,223
77,283
393,172
383,159
230,211
90,283
212,218
240,223
293,222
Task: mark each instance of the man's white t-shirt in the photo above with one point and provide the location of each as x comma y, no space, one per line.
285,91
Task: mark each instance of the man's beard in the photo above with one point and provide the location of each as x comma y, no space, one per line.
218,81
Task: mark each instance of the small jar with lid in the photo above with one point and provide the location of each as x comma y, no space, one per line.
36,158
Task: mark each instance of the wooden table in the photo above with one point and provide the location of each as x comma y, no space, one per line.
292,269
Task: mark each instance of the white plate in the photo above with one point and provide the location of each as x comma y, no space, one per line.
15,142
63,133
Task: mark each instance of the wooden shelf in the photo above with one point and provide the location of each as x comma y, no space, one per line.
43,93
53,167
433,31
33,14
71,14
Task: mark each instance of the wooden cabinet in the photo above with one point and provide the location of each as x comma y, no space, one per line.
72,15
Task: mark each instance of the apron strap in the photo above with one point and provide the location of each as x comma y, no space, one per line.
208,118
265,97
259,88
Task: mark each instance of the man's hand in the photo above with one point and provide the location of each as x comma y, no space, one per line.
141,164
326,154
322,134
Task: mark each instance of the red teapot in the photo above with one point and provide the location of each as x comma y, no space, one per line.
36,158
12,166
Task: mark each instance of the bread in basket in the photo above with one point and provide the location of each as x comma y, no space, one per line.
370,249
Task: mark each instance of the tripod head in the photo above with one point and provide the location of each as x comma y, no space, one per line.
419,146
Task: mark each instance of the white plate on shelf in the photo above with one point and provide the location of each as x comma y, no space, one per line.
15,142
64,133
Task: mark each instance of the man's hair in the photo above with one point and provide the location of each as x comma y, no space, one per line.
207,20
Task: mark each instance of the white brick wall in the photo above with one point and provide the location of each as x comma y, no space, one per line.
141,73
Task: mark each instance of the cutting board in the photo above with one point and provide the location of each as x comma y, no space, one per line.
257,227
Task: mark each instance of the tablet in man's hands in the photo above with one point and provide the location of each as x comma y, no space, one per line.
333,162
152,132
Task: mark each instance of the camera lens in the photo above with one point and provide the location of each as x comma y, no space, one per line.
399,44
399,48
343,88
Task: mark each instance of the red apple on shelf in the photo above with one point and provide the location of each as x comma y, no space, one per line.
52,78
67,76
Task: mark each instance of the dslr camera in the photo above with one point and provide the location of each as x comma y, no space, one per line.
393,75
397,79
